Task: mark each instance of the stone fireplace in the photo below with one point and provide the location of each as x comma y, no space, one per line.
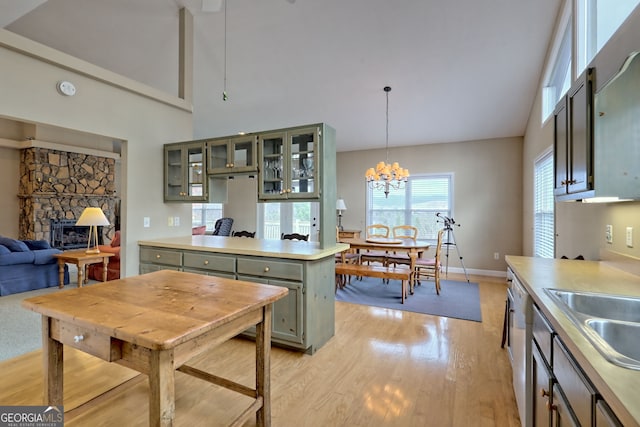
55,186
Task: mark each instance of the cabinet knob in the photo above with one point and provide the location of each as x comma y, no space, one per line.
288,190
551,406
206,262
544,392
230,165
78,338
266,269
157,256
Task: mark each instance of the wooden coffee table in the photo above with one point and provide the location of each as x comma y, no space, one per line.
81,259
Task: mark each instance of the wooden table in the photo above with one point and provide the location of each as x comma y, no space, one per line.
155,323
81,259
413,248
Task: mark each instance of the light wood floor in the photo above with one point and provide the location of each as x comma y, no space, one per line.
382,368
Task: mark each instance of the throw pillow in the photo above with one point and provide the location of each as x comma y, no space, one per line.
37,244
199,230
14,245
116,240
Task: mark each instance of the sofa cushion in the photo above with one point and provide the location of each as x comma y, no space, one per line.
14,245
4,250
115,243
45,256
200,230
17,258
37,244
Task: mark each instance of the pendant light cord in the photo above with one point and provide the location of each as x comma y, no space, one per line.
224,87
387,89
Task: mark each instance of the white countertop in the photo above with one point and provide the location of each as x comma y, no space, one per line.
619,386
289,249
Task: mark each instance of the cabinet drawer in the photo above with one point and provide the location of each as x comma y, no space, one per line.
206,261
579,393
543,334
94,343
161,256
270,268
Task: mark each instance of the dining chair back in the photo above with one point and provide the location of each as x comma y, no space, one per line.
377,230
244,233
430,267
222,227
294,236
405,232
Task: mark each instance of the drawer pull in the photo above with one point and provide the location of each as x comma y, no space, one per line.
206,262
266,269
544,392
157,256
78,338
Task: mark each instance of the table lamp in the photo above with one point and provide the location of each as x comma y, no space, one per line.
340,206
93,217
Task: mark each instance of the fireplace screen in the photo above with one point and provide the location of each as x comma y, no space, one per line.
65,234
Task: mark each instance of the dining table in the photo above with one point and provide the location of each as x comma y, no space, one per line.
414,248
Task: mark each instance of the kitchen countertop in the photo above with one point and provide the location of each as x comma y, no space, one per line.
620,387
288,249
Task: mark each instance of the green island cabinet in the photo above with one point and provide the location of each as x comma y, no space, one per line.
304,320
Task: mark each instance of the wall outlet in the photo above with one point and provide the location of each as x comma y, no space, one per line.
496,256
176,221
170,221
608,233
629,236
146,221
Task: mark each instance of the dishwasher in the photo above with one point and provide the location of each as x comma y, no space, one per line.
519,336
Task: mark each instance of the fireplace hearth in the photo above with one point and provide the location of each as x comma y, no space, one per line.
65,234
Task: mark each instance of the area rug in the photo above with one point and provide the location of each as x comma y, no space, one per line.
459,300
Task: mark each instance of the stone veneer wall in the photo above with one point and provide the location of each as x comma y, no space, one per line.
59,185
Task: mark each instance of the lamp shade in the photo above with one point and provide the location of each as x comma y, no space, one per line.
340,205
92,216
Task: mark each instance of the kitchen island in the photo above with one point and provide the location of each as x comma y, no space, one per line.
617,386
303,320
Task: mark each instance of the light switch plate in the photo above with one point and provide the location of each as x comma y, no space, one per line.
146,222
629,235
608,234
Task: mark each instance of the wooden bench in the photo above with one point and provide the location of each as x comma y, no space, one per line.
402,274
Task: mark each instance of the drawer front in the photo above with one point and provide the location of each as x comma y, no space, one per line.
150,268
579,393
270,268
543,335
209,262
211,273
90,342
161,256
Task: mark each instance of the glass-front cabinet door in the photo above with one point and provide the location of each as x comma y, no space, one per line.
185,172
289,163
232,155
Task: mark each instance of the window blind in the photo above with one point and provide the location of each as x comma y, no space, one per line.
543,234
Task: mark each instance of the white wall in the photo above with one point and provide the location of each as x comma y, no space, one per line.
105,104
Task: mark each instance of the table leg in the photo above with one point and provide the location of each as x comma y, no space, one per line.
263,367
412,276
52,364
61,265
104,269
80,273
161,389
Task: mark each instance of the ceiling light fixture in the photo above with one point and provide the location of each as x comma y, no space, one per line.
385,176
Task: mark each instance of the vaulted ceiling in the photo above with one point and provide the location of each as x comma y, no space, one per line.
459,69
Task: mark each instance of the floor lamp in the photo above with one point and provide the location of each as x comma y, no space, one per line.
93,217
340,206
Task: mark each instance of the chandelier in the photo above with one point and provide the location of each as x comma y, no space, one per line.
387,176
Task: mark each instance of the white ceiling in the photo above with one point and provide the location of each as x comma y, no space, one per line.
459,69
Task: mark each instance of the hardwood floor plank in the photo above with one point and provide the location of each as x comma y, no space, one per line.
382,368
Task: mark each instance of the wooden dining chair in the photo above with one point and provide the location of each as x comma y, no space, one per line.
402,232
375,231
350,257
244,233
430,267
294,236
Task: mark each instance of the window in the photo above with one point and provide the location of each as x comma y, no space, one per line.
596,21
206,214
543,227
290,217
416,204
558,81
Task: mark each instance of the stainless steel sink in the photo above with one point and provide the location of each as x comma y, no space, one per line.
610,322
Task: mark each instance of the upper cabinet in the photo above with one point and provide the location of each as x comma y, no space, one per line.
617,134
232,155
573,145
184,172
289,167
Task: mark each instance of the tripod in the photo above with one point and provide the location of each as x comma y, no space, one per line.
451,242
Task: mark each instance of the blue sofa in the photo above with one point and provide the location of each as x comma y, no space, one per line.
26,265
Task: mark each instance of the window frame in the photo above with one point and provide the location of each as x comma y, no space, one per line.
544,240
